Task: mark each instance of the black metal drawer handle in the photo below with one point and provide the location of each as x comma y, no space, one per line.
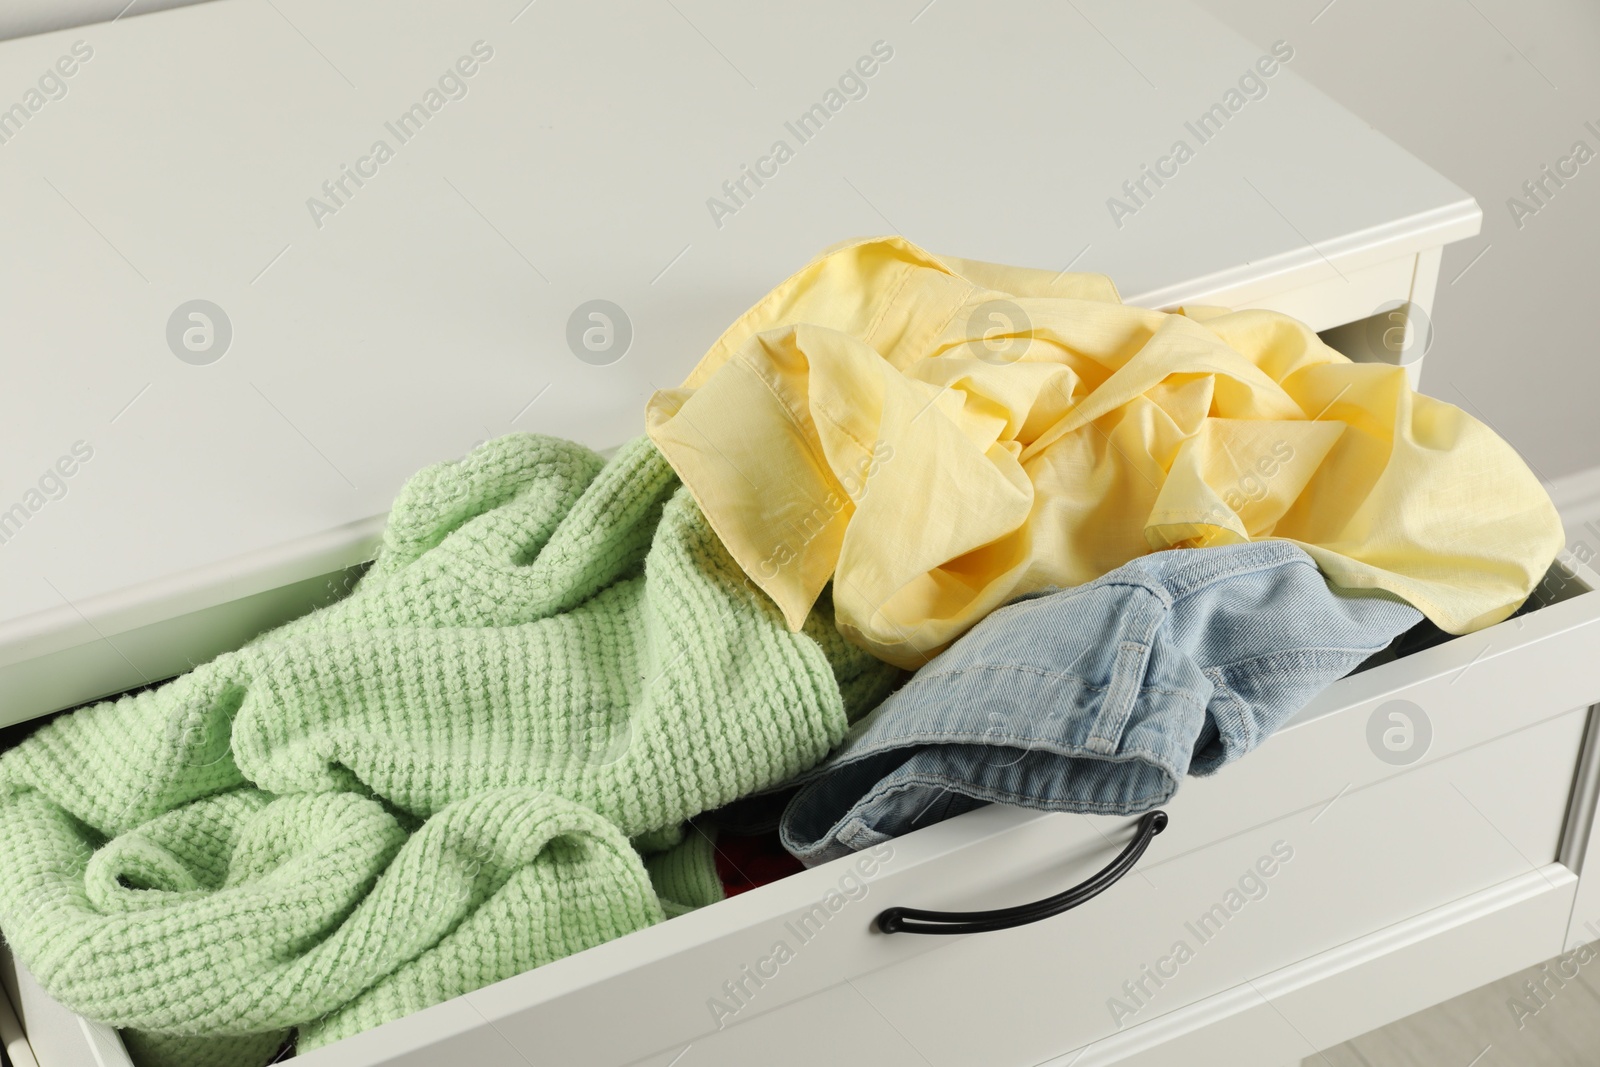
917,921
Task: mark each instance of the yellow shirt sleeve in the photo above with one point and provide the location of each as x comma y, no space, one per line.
938,436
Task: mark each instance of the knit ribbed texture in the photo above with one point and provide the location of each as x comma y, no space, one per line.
426,787
685,875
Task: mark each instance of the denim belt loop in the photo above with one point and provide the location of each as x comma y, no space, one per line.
1136,632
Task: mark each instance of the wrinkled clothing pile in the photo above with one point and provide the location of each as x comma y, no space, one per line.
1097,699
1117,546
937,436
428,786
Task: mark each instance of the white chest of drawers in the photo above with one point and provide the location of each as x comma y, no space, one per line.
384,323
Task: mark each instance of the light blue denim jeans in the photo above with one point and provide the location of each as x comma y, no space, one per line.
1097,698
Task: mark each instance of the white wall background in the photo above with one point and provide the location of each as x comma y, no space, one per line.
1486,92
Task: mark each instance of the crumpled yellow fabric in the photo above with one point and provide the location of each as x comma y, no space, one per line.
938,436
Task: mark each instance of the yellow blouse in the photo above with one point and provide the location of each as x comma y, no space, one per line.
938,436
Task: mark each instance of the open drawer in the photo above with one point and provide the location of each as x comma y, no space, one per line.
410,326
1344,844
1399,841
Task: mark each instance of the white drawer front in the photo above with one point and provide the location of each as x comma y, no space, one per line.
1169,935
1375,843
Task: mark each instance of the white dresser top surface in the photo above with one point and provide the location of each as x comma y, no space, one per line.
429,308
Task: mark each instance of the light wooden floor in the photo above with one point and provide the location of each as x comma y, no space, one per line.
1479,1029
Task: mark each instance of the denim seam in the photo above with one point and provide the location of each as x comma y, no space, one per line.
1287,556
1200,573
1155,587
852,829
1283,554
1023,668
881,790
1035,743
1219,682
1310,652
1112,715
963,787
1046,746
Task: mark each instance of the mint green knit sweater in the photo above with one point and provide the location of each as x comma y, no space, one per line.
426,787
